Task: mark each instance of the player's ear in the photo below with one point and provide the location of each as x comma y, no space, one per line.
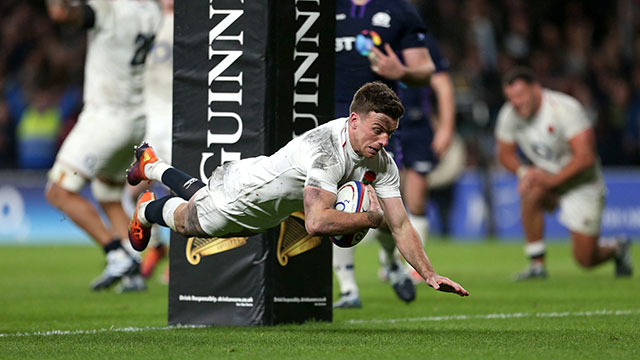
354,120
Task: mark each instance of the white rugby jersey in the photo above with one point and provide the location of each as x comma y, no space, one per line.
158,90
544,138
260,192
116,49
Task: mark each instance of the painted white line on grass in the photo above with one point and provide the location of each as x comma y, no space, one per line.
499,316
103,330
369,321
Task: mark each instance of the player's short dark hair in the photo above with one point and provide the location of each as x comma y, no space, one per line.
378,97
519,73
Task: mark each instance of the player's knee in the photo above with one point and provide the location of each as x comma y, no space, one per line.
535,197
585,259
62,180
54,194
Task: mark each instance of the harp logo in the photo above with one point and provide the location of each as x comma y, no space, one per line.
199,247
294,239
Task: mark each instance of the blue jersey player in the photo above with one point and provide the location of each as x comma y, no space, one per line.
415,145
376,40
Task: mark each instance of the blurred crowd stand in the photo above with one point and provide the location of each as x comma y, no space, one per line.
41,70
588,49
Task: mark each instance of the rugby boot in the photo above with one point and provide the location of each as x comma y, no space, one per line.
144,155
131,283
119,264
401,282
531,273
139,233
624,268
348,300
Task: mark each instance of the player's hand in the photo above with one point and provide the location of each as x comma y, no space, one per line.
541,178
526,182
386,65
445,284
374,204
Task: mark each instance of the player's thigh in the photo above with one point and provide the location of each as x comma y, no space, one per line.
581,210
412,148
211,219
414,191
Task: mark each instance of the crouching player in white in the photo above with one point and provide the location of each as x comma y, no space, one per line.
254,194
553,131
112,120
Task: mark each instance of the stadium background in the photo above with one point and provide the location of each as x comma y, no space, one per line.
49,312
586,48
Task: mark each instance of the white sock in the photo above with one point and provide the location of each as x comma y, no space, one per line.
534,249
154,170
169,209
343,266
141,216
126,245
421,224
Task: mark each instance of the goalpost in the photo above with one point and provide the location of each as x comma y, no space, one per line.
248,76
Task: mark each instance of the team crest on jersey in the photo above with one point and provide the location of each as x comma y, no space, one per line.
381,19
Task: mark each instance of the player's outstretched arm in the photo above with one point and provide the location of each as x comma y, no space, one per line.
410,247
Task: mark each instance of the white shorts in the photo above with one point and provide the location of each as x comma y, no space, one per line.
581,208
211,219
159,131
101,143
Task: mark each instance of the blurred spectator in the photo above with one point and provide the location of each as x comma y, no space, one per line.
584,48
40,96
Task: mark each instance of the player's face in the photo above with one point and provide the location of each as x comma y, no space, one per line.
524,97
371,133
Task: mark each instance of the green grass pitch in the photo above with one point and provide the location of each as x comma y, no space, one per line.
48,311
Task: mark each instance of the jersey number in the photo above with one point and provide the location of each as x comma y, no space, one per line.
143,45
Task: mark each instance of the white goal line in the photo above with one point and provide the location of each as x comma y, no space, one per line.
98,331
370,321
500,316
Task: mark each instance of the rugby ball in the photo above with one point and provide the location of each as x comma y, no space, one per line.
352,197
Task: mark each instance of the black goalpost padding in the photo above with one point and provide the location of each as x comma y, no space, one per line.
248,77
